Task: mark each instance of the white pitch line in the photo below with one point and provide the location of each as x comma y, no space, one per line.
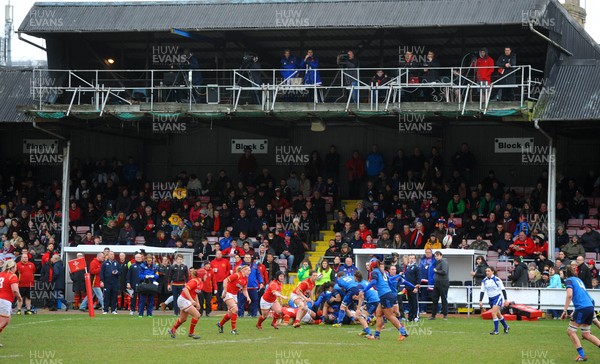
10,356
38,322
200,342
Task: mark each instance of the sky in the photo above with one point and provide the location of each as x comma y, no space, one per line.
22,51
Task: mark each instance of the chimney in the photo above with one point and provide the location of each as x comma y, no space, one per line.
577,12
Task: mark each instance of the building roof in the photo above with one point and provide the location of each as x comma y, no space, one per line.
571,93
15,90
218,15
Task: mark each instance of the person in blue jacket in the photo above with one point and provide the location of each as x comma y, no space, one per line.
148,274
374,163
310,64
289,66
412,275
109,282
133,279
255,283
426,274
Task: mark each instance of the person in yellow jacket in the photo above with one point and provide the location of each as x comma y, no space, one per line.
433,243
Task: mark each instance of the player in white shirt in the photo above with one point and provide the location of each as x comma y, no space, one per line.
497,296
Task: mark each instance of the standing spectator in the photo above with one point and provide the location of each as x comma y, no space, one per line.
464,161
579,205
440,286
356,172
310,64
519,275
583,272
289,65
374,163
485,69
479,273
332,164
247,166
506,64
148,274
109,282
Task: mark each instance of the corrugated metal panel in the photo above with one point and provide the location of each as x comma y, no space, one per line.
572,92
121,17
15,90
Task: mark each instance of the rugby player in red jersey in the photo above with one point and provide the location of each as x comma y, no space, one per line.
231,286
303,294
188,302
269,301
9,289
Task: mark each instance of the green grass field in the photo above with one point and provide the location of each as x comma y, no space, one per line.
75,338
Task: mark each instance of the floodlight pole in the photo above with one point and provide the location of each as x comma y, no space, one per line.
551,191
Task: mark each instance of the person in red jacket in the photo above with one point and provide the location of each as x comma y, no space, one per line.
222,268
364,231
95,267
208,289
485,67
74,214
417,237
356,172
25,271
522,247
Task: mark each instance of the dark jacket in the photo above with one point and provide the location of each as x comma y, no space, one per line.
179,273
78,281
58,275
106,273
520,276
479,274
441,273
432,75
590,241
584,273
502,61
133,274
123,270
412,274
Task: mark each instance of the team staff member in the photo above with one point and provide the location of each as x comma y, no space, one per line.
208,288
109,282
95,266
412,275
25,271
133,279
188,302
268,302
583,315
441,283
232,285
148,274
178,276
8,291
497,296
255,283
222,269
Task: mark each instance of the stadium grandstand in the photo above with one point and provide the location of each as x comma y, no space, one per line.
156,123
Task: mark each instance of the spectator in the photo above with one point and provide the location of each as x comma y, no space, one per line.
456,206
573,249
247,166
326,274
356,242
417,237
345,252
522,247
506,64
378,80
374,163
464,161
590,239
533,274
519,276
348,267
433,243
479,273
555,282
502,246
127,234
583,272
591,264
480,244
304,270
579,206
356,172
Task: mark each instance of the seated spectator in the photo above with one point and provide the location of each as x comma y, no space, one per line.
573,249
564,259
340,221
356,242
369,243
348,267
345,251
480,244
562,238
473,227
456,206
126,234
590,239
533,274
110,233
417,237
433,243
591,264
385,242
579,206
333,250
522,247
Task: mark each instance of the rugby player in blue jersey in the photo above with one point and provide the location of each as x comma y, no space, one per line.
583,315
379,280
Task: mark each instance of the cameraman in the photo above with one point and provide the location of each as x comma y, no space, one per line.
351,65
255,75
312,76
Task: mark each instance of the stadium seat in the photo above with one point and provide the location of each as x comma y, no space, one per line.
139,240
575,223
457,221
212,240
580,232
593,222
590,201
593,213
492,254
571,232
503,266
82,229
503,275
590,255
